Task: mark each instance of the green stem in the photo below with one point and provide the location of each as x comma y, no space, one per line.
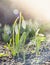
13,37
24,56
37,48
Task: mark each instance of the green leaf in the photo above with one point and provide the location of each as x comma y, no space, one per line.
39,39
17,43
5,37
13,51
23,39
17,39
2,54
42,38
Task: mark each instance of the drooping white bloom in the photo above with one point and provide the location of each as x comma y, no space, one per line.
15,11
41,35
24,24
36,25
37,31
16,29
7,29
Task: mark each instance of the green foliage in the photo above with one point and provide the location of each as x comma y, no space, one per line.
11,45
39,38
20,33
22,44
23,39
18,41
3,55
5,37
6,33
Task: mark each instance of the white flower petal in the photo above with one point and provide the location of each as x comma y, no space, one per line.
7,29
41,35
15,11
16,29
37,31
24,24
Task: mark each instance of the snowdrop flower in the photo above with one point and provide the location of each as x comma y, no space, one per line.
15,11
41,35
35,25
7,29
30,23
24,24
16,29
37,32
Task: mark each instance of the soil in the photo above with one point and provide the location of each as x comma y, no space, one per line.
31,59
